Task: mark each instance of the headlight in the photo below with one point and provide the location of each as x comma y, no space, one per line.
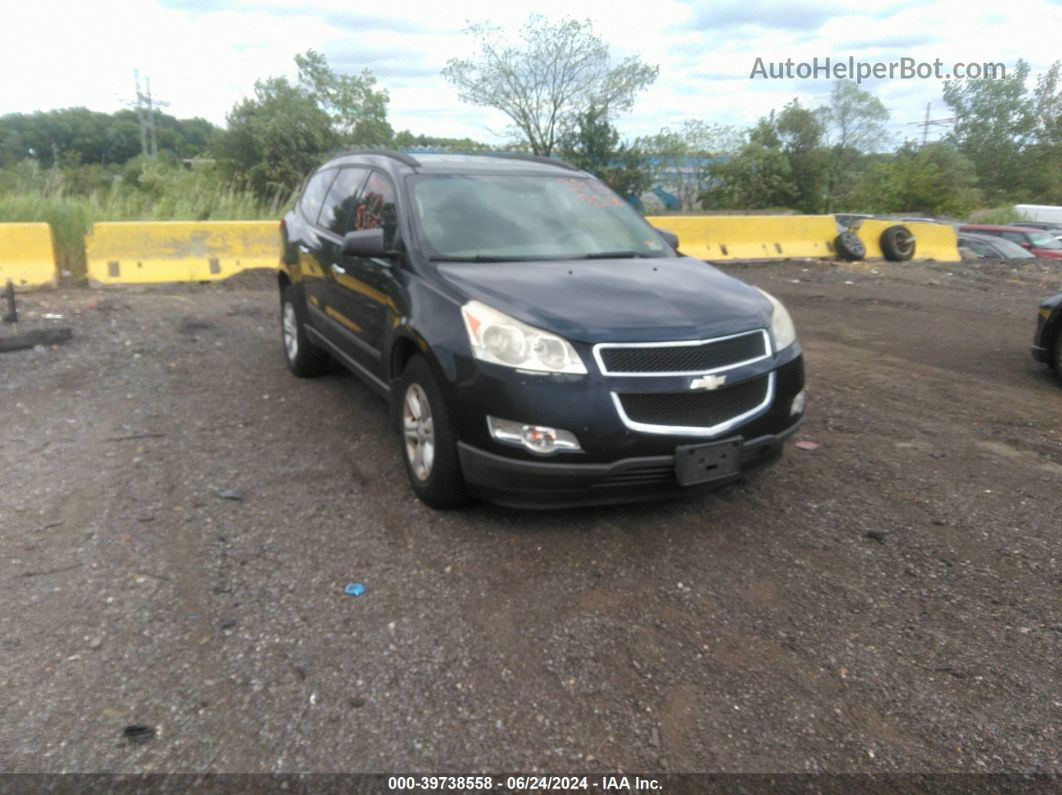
783,332
506,341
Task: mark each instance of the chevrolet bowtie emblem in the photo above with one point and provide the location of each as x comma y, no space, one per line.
708,382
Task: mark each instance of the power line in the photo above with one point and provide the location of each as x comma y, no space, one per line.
925,125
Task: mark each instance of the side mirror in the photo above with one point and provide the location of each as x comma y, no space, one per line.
364,243
669,237
1025,244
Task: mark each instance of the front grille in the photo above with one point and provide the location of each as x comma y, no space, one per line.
695,409
697,358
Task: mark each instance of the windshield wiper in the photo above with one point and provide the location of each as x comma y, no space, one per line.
616,255
487,258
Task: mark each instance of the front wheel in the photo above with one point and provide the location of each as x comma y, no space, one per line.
429,444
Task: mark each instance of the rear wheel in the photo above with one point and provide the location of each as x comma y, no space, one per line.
429,444
304,358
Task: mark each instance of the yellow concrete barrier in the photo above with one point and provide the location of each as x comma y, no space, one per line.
155,252
27,255
932,241
723,237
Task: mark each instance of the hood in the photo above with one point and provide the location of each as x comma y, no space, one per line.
619,300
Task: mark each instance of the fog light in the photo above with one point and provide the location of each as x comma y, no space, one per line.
798,404
536,438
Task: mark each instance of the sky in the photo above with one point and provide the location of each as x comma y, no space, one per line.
202,56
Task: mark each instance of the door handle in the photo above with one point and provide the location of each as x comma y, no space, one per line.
339,270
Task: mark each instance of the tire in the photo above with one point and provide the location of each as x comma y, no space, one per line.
848,246
1056,356
429,454
897,243
304,358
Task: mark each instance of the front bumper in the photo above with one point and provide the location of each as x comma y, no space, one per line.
539,484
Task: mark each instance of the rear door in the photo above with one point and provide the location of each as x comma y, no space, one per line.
362,290
313,249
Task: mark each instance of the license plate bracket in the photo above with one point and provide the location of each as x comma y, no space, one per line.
703,463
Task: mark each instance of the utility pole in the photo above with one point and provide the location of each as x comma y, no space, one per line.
925,125
145,116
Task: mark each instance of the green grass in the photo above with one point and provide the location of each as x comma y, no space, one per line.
151,192
996,215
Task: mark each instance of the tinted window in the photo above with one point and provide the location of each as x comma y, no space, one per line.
337,212
316,188
1016,237
1043,240
977,247
377,205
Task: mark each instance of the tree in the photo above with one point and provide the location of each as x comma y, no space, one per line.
407,140
80,136
995,122
1047,106
758,176
558,71
800,134
275,138
594,145
854,122
680,157
358,111
935,179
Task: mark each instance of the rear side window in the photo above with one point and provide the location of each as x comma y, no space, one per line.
313,196
337,212
1016,237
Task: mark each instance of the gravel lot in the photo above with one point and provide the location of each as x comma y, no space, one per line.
889,601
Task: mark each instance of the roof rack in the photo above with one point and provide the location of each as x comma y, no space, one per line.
401,157
552,161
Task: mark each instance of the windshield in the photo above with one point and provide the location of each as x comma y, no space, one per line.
503,217
1043,240
1011,250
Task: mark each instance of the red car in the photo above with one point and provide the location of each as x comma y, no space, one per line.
1036,241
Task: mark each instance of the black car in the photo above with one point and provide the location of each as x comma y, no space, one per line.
1047,341
540,343
992,247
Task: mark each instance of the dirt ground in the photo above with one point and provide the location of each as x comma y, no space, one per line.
889,601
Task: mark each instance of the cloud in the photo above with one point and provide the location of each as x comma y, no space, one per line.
205,55
800,16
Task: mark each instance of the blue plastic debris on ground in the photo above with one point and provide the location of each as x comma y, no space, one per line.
354,589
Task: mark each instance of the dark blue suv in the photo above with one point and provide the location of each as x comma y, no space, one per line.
540,344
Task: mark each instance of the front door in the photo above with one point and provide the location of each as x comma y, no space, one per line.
362,289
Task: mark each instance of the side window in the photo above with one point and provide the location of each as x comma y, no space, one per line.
316,188
337,212
377,205
1016,237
